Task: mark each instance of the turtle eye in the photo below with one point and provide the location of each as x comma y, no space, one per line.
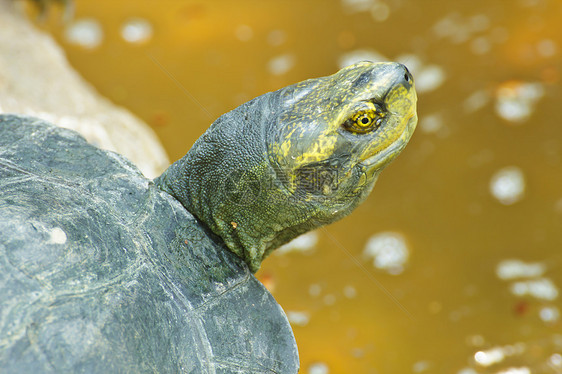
363,122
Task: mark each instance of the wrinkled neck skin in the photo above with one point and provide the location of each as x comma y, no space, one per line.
228,181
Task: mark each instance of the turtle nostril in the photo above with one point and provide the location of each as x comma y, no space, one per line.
408,76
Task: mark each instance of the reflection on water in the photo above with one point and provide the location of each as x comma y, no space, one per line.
476,197
389,251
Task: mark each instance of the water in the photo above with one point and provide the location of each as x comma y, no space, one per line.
490,100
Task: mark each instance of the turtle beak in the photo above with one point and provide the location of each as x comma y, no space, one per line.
381,159
400,100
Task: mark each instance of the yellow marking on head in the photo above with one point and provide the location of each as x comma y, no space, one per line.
321,149
285,148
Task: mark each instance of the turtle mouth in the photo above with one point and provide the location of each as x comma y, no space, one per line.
382,158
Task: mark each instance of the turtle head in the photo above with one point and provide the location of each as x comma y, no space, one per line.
334,135
295,159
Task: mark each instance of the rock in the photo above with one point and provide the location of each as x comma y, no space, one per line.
37,80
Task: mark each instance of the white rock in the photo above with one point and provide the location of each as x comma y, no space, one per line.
37,80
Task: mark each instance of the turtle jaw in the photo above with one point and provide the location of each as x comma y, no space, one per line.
385,143
378,161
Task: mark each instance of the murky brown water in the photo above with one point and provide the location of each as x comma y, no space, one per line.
490,96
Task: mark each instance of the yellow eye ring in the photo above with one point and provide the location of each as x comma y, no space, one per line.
364,121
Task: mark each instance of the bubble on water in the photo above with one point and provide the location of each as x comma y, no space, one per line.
329,299
446,26
459,29
512,268
489,357
508,185
318,368
530,3
428,78
555,360
86,32
467,371
482,157
137,30
480,45
475,340
421,366
276,37
453,27
558,206
477,100
542,288
357,352
514,370
298,318
389,251
380,11
547,48
244,33
303,243
431,123
281,64
495,355
435,307
515,100
314,290
359,55
354,6
349,291
549,314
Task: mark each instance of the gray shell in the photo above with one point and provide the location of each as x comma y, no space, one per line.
100,271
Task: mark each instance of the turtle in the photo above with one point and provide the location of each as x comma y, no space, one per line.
105,271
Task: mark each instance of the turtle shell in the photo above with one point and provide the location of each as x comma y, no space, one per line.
101,271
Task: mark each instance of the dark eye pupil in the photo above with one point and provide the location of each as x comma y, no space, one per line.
365,120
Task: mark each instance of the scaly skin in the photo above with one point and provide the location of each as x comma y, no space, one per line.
295,159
